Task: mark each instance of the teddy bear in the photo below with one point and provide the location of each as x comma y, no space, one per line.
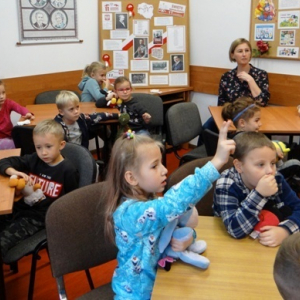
177,229
32,193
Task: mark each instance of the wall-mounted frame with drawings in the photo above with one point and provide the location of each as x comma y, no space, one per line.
156,32
274,24
47,21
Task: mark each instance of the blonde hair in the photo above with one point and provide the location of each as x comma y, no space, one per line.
120,80
124,156
231,110
236,43
92,68
49,126
65,97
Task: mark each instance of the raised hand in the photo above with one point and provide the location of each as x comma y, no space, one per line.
225,147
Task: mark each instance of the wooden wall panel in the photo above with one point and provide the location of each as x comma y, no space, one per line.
24,89
284,88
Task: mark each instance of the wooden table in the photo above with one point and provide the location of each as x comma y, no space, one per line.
49,111
280,120
7,194
239,269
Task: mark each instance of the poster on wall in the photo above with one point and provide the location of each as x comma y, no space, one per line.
47,21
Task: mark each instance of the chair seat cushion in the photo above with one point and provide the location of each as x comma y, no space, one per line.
103,292
198,152
25,247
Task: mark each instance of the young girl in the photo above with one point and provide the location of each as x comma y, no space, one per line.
253,185
245,115
135,175
6,126
93,78
138,114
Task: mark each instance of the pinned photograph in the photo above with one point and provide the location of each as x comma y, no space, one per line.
138,79
140,48
157,37
121,21
177,62
159,66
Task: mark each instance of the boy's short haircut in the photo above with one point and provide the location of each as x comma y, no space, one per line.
249,140
49,126
286,270
65,97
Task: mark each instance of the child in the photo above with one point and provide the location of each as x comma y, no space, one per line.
252,185
287,268
130,105
56,175
245,115
77,126
6,126
93,77
135,176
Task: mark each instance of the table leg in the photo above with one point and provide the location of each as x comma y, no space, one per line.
2,282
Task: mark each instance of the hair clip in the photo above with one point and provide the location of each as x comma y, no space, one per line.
129,134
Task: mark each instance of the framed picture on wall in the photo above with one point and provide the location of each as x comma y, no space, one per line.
177,62
47,21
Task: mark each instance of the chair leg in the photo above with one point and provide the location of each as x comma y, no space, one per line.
2,282
35,257
89,278
14,267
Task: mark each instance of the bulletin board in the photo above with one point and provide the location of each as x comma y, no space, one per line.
274,29
146,41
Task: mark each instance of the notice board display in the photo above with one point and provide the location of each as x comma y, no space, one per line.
274,28
145,41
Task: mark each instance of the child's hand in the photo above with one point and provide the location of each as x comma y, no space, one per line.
267,185
225,147
194,219
279,153
107,83
272,236
28,116
11,171
146,117
179,245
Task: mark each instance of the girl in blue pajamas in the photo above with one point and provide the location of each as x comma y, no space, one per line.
138,217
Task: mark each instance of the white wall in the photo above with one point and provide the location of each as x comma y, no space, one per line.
18,61
214,25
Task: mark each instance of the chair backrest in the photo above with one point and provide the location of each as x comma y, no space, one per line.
204,206
50,96
75,231
154,106
83,161
22,137
210,139
183,123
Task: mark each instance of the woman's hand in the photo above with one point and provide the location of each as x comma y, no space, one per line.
225,147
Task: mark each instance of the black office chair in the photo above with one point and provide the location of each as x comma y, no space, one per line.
204,206
210,139
87,168
154,106
76,239
22,137
183,124
50,96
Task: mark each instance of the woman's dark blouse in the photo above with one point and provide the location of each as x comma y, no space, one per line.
231,87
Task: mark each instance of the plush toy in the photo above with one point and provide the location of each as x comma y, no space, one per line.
114,102
282,147
32,193
176,228
123,120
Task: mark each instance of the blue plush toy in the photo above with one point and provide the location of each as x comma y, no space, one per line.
176,229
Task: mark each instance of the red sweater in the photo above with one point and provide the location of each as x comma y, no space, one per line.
5,123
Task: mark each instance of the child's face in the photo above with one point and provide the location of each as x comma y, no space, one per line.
48,148
123,91
2,94
152,175
99,76
253,124
256,164
70,112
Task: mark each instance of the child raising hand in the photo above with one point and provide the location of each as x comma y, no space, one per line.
138,217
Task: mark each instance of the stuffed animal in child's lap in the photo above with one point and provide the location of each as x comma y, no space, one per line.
177,229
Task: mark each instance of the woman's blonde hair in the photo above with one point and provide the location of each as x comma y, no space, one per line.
124,157
92,68
65,97
243,107
236,43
